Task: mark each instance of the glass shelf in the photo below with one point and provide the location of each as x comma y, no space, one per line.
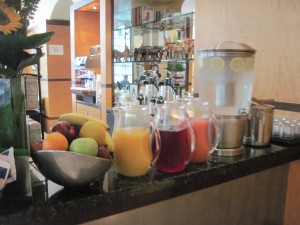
168,23
158,61
166,42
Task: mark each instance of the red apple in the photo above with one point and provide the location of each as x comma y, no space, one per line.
103,153
36,146
66,129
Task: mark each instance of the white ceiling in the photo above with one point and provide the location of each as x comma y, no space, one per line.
52,9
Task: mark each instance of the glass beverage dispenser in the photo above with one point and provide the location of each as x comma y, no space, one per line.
225,81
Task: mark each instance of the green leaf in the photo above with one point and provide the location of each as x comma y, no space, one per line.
13,58
36,40
19,42
30,61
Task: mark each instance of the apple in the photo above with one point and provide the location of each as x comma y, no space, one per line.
87,146
36,146
103,153
66,129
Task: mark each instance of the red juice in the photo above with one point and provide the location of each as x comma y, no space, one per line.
202,146
175,150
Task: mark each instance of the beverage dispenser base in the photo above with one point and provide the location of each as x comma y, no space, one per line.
228,151
232,128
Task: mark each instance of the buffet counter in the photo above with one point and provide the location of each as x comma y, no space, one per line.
115,194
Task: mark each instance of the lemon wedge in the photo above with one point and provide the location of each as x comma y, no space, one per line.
237,64
216,63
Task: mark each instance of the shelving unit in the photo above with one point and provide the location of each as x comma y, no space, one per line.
39,112
165,42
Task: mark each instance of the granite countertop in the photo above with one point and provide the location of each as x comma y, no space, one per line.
83,91
115,193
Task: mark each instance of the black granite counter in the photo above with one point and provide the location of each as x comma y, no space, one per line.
115,193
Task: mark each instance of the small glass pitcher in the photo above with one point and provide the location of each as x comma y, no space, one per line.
131,136
173,135
206,129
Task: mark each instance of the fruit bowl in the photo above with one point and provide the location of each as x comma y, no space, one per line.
70,168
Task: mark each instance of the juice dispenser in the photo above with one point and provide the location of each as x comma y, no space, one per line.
225,81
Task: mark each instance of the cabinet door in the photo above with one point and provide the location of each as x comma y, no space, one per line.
87,110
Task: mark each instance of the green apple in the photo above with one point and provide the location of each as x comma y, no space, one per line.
87,146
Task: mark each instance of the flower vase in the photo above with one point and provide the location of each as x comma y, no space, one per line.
12,113
6,116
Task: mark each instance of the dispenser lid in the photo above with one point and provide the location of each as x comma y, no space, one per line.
227,46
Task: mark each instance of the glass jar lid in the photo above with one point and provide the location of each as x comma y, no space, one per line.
227,46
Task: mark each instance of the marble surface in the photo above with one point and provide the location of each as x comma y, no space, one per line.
115,193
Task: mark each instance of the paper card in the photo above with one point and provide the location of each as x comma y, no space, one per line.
56,50
4,171
8,157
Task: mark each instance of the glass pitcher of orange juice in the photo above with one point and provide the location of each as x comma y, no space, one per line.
205,127
131,135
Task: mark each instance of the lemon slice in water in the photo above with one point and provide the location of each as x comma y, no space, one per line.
237,64
216,63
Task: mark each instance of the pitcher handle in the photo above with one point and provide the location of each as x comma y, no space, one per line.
216,136
155,141
193,139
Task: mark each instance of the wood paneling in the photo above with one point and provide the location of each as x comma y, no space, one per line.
106,55
57,95
87,110
291,214
87,31
269,26
55,71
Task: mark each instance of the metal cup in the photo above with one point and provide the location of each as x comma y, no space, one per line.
259,126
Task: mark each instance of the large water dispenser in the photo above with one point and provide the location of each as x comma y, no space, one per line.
226,81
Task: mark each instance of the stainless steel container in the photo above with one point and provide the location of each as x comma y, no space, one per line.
259,126
232,129
167,89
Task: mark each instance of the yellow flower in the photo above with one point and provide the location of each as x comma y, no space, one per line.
9,19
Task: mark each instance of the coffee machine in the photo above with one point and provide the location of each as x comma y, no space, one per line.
151,89
225,82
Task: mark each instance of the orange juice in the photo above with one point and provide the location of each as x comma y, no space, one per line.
203,145
132,152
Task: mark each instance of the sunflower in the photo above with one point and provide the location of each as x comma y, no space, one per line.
9,19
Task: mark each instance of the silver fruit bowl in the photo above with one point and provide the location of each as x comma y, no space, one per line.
69,168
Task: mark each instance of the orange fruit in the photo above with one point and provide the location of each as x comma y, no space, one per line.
55,141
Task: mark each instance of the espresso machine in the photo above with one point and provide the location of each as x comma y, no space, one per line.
225,82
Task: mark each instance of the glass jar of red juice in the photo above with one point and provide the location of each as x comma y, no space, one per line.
174,137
